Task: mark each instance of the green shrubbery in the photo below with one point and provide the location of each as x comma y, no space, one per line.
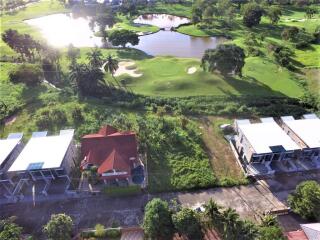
29,74
101,232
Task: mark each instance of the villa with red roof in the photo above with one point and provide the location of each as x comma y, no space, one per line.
114,153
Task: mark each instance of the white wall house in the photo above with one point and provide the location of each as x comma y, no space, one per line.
306,133
263,142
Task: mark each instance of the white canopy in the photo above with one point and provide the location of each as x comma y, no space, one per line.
308,130
267,134
8,145
43,152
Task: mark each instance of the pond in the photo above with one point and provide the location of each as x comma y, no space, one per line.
62,29
165,21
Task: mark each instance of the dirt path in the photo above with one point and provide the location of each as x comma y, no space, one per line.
221,156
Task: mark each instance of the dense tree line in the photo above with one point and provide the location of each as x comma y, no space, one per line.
162,221
32,51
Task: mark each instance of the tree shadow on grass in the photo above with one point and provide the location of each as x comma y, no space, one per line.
269,30
249,86
31,97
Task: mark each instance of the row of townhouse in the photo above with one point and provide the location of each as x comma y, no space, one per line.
270,142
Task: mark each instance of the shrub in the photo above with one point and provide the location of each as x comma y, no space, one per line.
59,227
113,233
29,74
100,231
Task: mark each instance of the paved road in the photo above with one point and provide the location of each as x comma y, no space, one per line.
249,201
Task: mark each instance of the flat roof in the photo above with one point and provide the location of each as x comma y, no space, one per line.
308,130
43,152
8,145
267,137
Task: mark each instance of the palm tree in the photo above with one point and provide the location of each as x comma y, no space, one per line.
212,212
111,66
231,223
247,230
75,74
95,58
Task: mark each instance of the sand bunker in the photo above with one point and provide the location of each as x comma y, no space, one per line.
127,67
192,70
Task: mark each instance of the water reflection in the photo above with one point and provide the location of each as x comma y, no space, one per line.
161,20
176,44
62,29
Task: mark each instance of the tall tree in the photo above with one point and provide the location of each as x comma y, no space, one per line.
187,223
230,223
111,66
73,53
95,58
306,200
157,222
212,212
274,13
123,37
226,58
252,13
86,80
311,11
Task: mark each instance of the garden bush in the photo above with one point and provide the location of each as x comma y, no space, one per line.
29,74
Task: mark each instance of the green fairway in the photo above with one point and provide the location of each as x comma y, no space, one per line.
167,76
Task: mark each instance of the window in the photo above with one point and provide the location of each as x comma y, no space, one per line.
276,156
255,159
288,155
267,158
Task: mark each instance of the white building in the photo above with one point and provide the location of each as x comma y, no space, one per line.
263,142
306,133
43,158
9,148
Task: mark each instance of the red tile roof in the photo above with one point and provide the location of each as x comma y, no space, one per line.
110,149
296,235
